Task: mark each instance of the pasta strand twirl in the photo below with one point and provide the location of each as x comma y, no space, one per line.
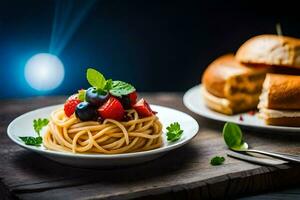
68,134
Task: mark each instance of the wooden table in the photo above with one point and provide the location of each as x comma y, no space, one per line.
182,174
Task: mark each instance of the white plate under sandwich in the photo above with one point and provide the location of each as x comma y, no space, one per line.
193,100
22,126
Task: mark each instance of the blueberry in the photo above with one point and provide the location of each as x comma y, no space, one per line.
95,97
86,112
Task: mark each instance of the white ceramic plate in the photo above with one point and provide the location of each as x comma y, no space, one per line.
194,101
22,126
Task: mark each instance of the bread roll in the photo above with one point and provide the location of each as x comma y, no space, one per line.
237,84
279,101
270,50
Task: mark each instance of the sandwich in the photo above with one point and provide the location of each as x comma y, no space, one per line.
231,87
270,50
279,101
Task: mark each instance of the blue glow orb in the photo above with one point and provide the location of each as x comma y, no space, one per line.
44,72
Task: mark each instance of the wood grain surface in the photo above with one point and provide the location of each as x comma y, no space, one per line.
184,173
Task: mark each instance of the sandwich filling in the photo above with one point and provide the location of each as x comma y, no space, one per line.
245,87
270,113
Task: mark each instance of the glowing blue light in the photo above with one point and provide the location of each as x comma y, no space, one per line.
44,72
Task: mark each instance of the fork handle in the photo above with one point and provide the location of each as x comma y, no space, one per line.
275,155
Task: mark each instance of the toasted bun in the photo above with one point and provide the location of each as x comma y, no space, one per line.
218,73
281,92
283,121
226,106
270,50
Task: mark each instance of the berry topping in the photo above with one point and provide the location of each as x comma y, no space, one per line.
133,97
72,97
128,100
112,109
143,108
86,112
70,105
96,97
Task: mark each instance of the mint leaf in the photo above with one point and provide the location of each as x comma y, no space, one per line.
115,88
174,132
34,141
217,160
108,85
81,94
233,136
38,124
120,88
95,78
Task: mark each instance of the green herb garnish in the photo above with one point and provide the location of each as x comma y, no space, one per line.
217,160
233,136
120,88
34,141
108,85
95,78
174,132
81,94
38,124
115,88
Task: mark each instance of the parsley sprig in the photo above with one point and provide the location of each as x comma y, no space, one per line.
174,132
217,160
115,88
38,125
33,141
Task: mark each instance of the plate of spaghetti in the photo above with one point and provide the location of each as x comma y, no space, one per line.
104,125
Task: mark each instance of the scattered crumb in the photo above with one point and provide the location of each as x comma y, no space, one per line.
241,118
252,112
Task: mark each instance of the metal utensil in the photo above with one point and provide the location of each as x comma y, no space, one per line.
252,159
287,157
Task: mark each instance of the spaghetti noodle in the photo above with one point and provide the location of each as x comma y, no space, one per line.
69,134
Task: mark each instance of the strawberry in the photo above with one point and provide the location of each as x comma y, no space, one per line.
72,97
132,96
112,109
143,108
128,100
70,105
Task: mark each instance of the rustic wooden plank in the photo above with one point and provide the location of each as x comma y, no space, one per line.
128,190
289,194
184,173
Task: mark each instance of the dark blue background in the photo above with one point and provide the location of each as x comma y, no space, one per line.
155,45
